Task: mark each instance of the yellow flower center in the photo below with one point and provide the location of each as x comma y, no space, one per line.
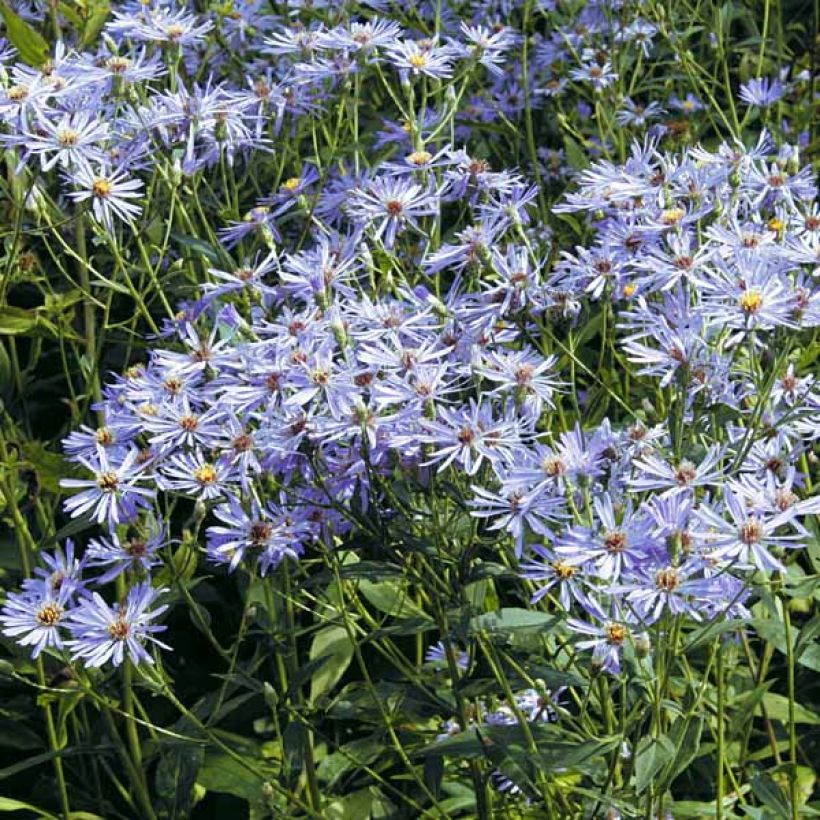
49,614
751,301
108,482
419,157
101,187
206,475
67,137
615,634
417,60
671,216
119,629
291,184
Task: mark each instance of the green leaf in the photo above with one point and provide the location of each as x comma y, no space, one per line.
222,773
353,807
176,777
49,467
513,619
14,320
30,45
333,644
772,631
685,739
7,804
770,795
777,708
652,755
575,154
389,597
197,245
94,24
705,634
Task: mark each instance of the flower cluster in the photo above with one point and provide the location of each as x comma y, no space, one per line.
578,365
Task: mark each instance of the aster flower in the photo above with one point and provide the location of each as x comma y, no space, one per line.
467,436
616,545
656,474
761,92
111,194
607,635
387,205
101,633
63,572
437,653
114,494
550,572
73,142
599,75
128,553
516,511
263,535
524,374
739,536
414,58
160,25
486,45
195,475
36,617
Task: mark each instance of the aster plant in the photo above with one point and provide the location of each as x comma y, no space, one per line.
410,410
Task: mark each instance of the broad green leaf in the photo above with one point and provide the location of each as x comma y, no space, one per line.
332,643
94,24
352,807
652,756
777,708
222,773
685,739
389,597
513,619
176,775
771,795
772,631
575,154
30,45
14,321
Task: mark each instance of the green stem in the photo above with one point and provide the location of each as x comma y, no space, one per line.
793,792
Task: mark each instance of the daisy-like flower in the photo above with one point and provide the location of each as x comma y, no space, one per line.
599,75
761,91
162,26
656,474
516,511
466,436
550,572
524,374
414,58
750,299
35,617
102,633
612,548
111,194
196,475
607,636
114,494
387,205
73,141
437,654
136,551
740,536
487,45
262,535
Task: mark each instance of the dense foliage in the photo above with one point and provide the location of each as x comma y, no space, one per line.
409,409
